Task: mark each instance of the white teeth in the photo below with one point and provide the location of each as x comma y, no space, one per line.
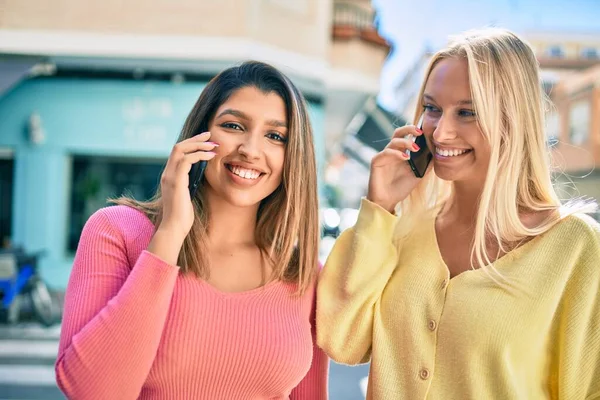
449,153
245,173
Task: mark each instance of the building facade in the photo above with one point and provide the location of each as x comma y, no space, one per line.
570,64
93,97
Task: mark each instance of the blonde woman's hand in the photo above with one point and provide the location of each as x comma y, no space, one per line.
177,208
391,179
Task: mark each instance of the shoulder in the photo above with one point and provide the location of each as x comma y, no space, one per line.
579,229
123,213
577,238
119,220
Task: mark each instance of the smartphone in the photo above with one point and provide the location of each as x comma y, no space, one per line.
197,172
419,160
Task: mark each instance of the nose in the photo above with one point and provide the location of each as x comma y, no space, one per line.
444,129
250,147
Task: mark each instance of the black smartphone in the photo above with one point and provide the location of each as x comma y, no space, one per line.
196,174
419,160
197,171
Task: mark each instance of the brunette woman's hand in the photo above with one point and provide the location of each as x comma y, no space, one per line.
177,208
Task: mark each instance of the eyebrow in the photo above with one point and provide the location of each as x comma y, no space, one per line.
242,115
460,103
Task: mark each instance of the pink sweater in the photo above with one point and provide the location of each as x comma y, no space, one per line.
134,327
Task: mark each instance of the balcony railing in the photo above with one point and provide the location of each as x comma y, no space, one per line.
351,21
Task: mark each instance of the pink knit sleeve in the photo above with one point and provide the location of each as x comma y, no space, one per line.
114,314
314,386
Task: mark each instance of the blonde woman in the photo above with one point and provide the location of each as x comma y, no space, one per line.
210,296
482,286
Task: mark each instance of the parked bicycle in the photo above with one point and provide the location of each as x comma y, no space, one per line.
20,280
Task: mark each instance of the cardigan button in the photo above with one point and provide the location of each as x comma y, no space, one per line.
424,374
432,325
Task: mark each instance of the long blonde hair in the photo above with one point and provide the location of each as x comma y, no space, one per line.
509,103
287,221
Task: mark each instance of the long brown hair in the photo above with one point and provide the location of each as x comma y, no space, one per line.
287,220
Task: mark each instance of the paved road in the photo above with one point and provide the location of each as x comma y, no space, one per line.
27,354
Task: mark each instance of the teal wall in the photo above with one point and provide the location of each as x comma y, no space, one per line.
86,117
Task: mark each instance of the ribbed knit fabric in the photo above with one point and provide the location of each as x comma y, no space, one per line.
134,327
389,299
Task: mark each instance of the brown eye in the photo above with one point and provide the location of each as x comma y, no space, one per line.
277,137
231,125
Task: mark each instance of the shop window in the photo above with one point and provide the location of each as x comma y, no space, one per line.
6,197
96,179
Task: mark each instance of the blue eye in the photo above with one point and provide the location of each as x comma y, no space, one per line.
277,137
232,125
466,113
429,108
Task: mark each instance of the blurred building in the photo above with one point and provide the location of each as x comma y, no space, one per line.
357,56
570,72
576,120
93,95
354,137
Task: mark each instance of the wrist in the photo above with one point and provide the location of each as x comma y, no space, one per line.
166,244
172,232
391,208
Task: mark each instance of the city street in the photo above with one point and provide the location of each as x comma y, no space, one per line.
27,354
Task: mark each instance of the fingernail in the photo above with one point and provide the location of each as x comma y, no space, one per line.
419,130
204,133
405,155
214,144
416,147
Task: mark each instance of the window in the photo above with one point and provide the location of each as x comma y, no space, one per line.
6,196
552,128
579,122
589,52
96,179
556,52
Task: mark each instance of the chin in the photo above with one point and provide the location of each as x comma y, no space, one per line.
449,175
239,201
445,176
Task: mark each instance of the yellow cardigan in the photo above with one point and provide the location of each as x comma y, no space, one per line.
430,337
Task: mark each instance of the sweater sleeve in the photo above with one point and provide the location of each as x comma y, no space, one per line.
352,282
113,316
314,385
577,353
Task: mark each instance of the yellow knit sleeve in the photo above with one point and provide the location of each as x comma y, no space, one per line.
351,283
577,353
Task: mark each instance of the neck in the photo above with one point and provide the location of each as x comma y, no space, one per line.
230,225
464,203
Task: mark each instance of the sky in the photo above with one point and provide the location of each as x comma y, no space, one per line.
411,25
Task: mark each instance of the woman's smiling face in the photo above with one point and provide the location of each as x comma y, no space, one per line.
251,130
460,149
